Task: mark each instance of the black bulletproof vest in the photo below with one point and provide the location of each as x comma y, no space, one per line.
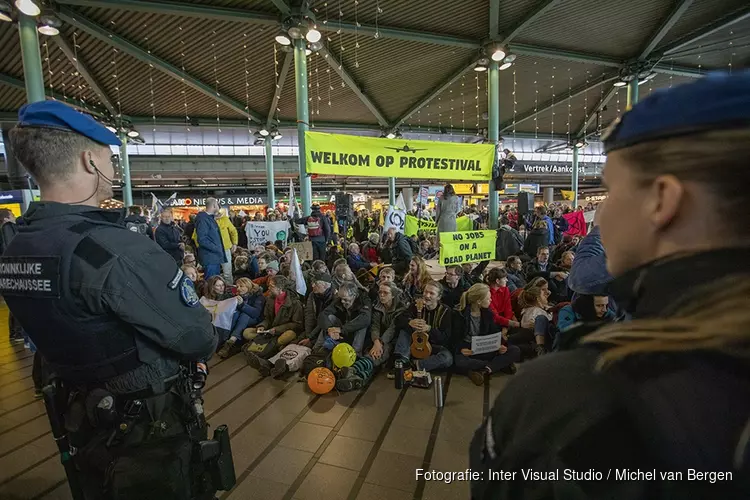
79,345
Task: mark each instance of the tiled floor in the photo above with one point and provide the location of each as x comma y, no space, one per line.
287,443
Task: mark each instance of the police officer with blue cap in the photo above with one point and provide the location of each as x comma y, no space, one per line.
657,406
115,319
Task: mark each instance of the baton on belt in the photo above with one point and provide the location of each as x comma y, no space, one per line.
57,424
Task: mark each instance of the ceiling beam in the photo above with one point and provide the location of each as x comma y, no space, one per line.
434,93
179,9
80,22
524,49
283,7
539,10
338,67
679,9
706,30
75,59
671,69
581,89
401,34
283,72
494,19
599,107
17,83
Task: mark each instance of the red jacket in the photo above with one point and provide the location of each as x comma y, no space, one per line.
500,305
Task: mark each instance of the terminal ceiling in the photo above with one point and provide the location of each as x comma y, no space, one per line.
569,54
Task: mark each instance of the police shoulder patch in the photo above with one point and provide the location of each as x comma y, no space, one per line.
187,293
176,280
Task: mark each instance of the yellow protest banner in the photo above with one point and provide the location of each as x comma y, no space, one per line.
466,246
412,225
351,155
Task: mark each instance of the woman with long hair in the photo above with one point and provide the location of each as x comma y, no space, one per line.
535,317
669,389
474,319
216,289
417,277
447,208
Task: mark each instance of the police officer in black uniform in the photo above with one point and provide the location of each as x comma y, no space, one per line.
114,317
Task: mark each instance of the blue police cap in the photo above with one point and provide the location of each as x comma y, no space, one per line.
715,101
55,114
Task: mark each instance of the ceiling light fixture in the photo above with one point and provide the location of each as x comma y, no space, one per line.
308,51
133,133
505,66
482,64
112,129
390,135
49,25
295,32
277,135
5,12
312,35
28,7
620,83
264,132
282,38
498,53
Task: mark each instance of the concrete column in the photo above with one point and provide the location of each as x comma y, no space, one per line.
408,198
574,181
127,185
269,174
391,191
493,76
549,195
32,59
303,117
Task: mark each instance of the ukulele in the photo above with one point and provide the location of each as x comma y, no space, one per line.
420,342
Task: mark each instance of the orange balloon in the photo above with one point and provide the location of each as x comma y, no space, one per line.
321,380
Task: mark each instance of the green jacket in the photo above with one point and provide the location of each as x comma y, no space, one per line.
290,316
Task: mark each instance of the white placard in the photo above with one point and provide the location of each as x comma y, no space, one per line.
486,343
258,233
394,218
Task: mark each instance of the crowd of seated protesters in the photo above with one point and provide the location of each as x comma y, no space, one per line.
378,296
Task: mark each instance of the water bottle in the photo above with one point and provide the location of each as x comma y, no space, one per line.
439,392
399,365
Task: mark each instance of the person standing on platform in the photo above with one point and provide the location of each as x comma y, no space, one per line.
116,320
447,209
168,236
137,223
229,241
207,236
318,230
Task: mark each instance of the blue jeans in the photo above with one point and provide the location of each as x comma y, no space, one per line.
441,356
240,321
211,270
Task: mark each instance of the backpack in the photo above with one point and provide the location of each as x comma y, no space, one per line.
137,227
314,227
264,345
317,359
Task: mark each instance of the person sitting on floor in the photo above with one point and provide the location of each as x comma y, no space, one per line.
500,306
355,260
476,320
555,276
516,278
435,320
216,289
584,315
317,268
566,261
386,275
346,319
270,270
370,249
192,273
385,315
416,278
321,297
534,316
283,315
245,267
453,286
249,313
426,250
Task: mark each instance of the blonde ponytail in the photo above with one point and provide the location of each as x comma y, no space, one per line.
474,294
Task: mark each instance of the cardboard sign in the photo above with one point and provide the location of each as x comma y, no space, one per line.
467,246
486,343
304,250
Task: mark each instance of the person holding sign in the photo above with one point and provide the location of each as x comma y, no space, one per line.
474,319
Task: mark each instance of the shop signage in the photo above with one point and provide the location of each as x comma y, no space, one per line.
520,188
349,155
597,197
224,201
